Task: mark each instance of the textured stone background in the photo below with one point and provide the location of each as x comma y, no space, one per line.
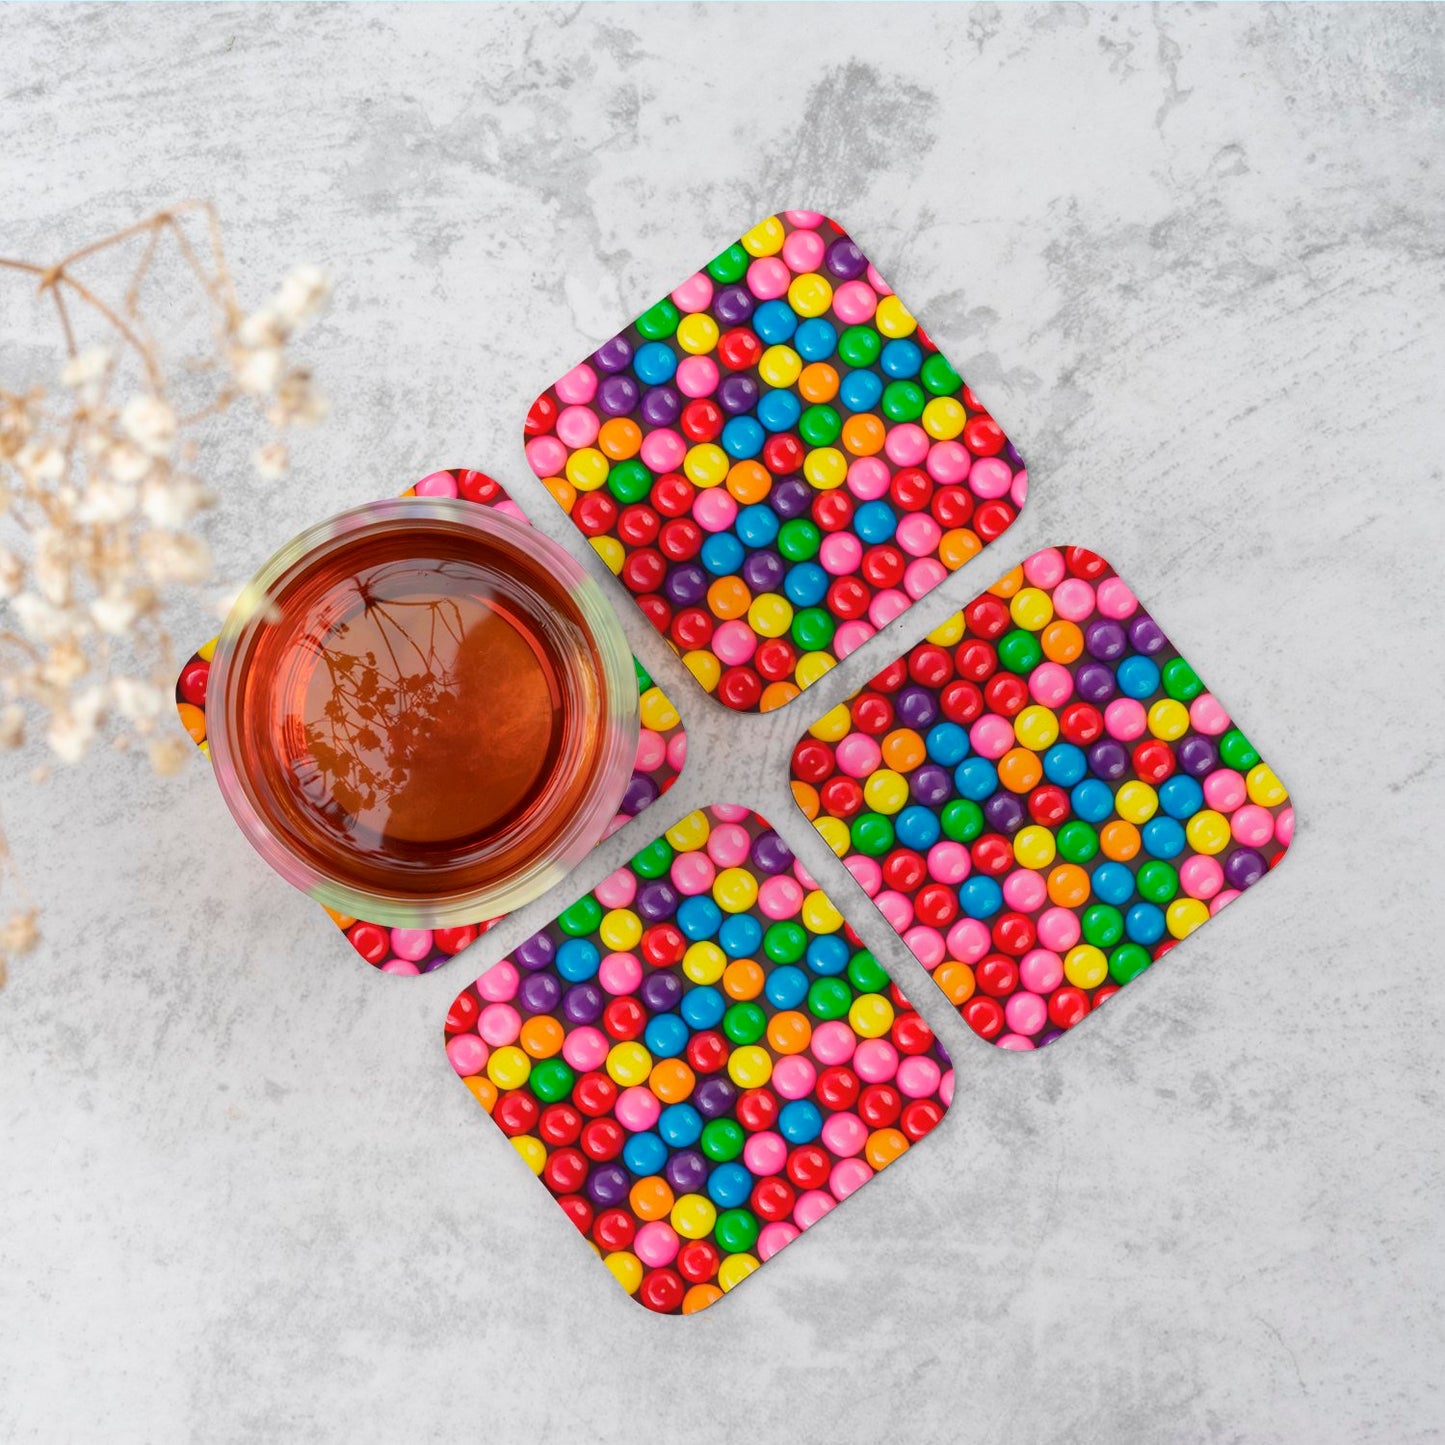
1191,257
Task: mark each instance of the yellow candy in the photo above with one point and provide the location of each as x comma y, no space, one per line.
1184,915
766,238
834,832
620,930
1168,719
826,468
810,667
626,1269
1032,608
697,333
770,615
207,650
706,465
893,318
1264,788
1207,831
834,725
704,667
734,890
1085,966
533,1151
811,294
688,834
871,1015
587,469
780,366
735,1269
1036,728
693,1216
509,1067
704,962
819,913
657,710
1136,802
628,1064
750,1067
886,791
943,418
949,633
611,551
1034,847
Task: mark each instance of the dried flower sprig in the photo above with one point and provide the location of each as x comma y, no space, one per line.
100,481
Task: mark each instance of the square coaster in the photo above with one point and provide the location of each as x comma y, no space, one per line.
776,460
661,751
699,1059
1042,798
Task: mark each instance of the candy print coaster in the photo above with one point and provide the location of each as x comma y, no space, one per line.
1042,798
699,1060
776,460
661,751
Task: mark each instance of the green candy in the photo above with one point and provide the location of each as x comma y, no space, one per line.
962,820
581,918
829,998
1103,925
865,974
745,1023
1020,651
819,426
1181,681
785,942
659,322
654,860
1077,841
799,539
736,1231
1157,881
551,1080
644,677
1127,962
1237,752
860,346
939,377
903,401
872,834
813,628
722,1139
731,266
629,481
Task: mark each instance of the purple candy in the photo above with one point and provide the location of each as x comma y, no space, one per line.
534,952
769,854
1244,867
1005,813
1094,682
661,992
737,394
686,585
1145,635
608,1184
844,259
1197,755
764,571
790,498
661,406
1105,640
1047,1037
732,305
613,355
583,1003
930,785
1011,455
1108,760
917,707
714,1096
686,1171
641,793
617,395
656,900
539,993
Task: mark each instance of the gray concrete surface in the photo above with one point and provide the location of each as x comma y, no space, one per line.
1192,258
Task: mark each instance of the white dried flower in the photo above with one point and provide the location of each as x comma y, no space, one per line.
272,461
262,329
127,462
135,700
12,574
115,613
20,933
150,424
87,370
72,730
64,664
298,403
303,294
40,461
167,755
51,569
174,557
12,725
105,501
41,619
173,502
257,370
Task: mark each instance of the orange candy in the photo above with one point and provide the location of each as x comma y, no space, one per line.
1068,886
1062,641
776,694
957,547
699,1297
904,750
789,1032
884,1146
619,439
742,979
1008,584
563,492
728,597
818,383
484,1091
1119,841
672,1080
805,795
956,980
542,1036
651,1198
864,435
193,720
749,482
1019,770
